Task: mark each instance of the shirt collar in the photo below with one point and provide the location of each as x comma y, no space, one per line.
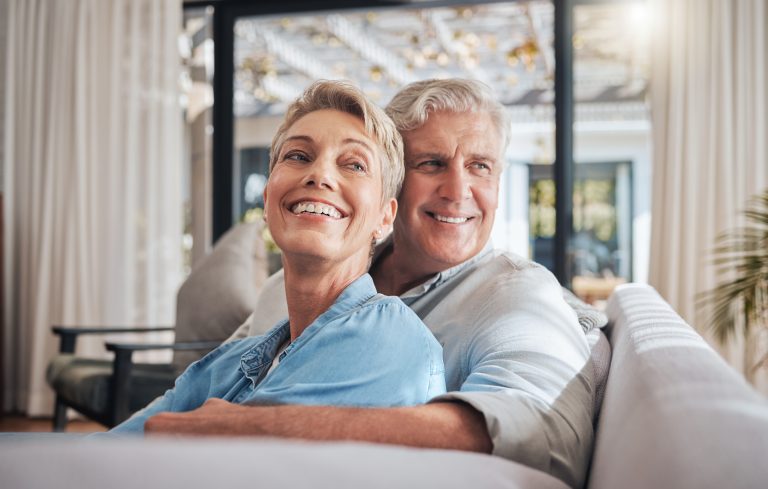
354,295
385,247
255,359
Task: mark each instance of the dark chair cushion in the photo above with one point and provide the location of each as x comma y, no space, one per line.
85,382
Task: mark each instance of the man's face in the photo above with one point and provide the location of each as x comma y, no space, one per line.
450,193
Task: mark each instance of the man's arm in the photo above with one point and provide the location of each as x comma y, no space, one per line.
449,425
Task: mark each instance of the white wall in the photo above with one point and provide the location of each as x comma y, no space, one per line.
256,131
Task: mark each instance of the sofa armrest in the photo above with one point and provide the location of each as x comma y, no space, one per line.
675,414
123,364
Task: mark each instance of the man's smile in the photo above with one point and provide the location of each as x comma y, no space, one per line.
449,219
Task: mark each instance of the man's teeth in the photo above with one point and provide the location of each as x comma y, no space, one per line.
316,208
451,220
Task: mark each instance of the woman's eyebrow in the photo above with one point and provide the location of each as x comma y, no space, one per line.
308,139
299,138
359,142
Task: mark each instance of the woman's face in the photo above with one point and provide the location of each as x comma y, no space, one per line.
324,195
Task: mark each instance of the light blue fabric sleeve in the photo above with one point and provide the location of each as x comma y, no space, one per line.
135,424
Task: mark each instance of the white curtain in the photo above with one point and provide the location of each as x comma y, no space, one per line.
93,214
709,91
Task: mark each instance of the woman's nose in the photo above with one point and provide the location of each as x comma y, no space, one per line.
321,173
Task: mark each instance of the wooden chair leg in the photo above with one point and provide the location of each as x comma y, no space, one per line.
121,387
59,415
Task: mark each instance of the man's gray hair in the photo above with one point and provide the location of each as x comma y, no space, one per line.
412,105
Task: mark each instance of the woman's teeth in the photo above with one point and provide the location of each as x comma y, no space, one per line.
316,208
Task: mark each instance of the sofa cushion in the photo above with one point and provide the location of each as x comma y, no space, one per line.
589,317
600,357
206,463
221,291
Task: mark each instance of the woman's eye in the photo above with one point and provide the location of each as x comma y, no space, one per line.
296,156
357,167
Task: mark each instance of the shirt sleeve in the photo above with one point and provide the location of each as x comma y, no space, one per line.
528,372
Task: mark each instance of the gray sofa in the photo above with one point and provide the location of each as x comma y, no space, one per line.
673,415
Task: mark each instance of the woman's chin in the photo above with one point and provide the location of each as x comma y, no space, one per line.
319,256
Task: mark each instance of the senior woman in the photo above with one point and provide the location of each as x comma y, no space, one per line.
335,170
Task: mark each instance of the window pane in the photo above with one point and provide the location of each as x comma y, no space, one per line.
506,45
197,98
612,150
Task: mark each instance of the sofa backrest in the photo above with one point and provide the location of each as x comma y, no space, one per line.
221,291
674,413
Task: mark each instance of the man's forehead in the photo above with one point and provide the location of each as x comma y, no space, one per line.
431,143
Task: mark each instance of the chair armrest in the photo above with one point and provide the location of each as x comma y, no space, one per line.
123,364
69,334
190,345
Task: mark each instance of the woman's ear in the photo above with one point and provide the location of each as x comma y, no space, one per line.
264,215
389,211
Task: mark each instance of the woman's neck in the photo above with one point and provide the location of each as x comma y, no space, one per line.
311,288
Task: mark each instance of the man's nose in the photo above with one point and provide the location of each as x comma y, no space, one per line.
455,185
321,173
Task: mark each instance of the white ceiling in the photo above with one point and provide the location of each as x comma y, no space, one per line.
506,45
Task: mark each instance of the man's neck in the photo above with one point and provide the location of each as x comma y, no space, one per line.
394,274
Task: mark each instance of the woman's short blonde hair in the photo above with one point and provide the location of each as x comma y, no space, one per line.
345,97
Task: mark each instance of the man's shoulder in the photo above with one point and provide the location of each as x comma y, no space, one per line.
505,268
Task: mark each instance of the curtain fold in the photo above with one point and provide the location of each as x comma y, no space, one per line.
709,99
92,177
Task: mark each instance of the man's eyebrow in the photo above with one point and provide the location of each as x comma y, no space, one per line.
484,157
441,156
427,154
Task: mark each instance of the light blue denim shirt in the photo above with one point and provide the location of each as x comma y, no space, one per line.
366,350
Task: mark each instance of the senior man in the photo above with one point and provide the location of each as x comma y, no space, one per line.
517,361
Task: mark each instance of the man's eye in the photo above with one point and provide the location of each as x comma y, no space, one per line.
481,165
429,164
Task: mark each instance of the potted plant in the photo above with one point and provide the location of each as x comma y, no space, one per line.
740,302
